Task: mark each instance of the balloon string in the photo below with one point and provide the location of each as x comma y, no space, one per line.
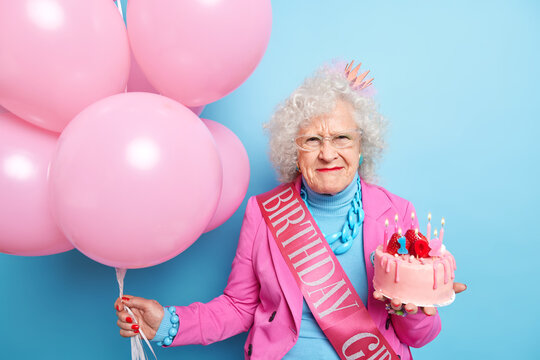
137,350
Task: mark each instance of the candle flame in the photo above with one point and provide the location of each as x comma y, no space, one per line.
442,222
412,215
399,231
416,231
429,217
435,232
386,223
396,218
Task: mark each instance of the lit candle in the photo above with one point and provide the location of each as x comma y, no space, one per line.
416,232
429,227
435,234
395,224
442,230
412,220
399,231
385,234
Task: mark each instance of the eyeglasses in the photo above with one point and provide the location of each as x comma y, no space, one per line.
341,140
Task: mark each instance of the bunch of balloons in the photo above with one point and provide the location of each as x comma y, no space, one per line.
101,146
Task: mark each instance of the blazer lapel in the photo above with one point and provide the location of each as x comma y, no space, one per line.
289,287
375,203
286,281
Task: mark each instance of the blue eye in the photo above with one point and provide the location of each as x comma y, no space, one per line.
313,140
342,140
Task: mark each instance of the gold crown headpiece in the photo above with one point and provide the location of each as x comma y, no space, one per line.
357,81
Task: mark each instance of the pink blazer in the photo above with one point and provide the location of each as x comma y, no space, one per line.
262,294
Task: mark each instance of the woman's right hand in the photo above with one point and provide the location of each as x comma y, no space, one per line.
148,313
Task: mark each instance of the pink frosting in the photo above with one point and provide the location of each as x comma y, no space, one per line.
424,281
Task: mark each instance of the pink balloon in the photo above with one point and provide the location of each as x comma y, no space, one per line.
198,51
135,180
235,163
59,56
137,82
197,110
26,223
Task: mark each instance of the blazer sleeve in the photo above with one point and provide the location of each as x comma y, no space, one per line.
419,329
232,312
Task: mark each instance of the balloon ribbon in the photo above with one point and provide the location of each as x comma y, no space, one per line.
137,350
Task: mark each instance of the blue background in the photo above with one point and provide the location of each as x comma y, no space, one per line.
458,81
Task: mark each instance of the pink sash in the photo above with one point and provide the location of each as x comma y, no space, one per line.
326,288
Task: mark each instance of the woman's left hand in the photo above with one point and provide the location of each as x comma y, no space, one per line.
413,309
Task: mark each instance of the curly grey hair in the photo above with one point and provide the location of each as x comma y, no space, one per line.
317,96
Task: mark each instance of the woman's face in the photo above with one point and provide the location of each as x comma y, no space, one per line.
329,170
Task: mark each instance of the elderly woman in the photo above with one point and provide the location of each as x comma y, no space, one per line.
324,140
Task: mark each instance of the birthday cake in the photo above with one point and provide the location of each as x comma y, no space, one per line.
415,270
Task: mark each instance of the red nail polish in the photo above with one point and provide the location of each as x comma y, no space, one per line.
135,327
125,298
117,308
129,320
136,331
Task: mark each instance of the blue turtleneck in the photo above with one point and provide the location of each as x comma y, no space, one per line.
330,213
